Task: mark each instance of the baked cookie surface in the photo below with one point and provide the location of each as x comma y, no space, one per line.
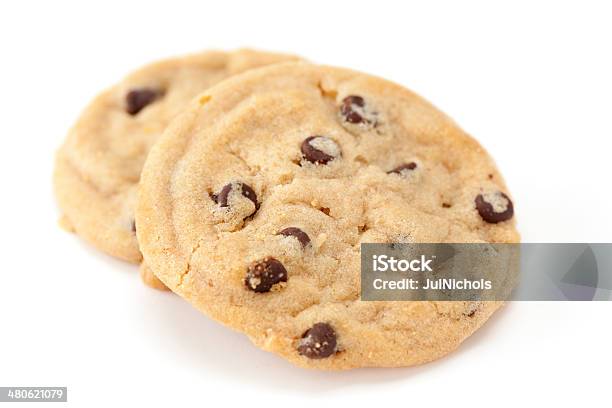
98,167
255,201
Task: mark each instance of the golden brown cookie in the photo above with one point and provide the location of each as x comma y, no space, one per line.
255,201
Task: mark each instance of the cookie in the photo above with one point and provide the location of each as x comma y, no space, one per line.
255,201
98,167
149,279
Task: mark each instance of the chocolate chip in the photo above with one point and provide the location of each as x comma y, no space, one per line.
318,342
245,190
263,274
403,169
325,210
134,226
319,149
297,233
351,107
137,99
471,309
494,207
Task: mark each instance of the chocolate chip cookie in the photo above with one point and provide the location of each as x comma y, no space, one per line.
255,201
98,167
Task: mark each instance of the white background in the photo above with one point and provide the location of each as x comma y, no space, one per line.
531,81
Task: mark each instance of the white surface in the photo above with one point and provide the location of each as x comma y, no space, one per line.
530,81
